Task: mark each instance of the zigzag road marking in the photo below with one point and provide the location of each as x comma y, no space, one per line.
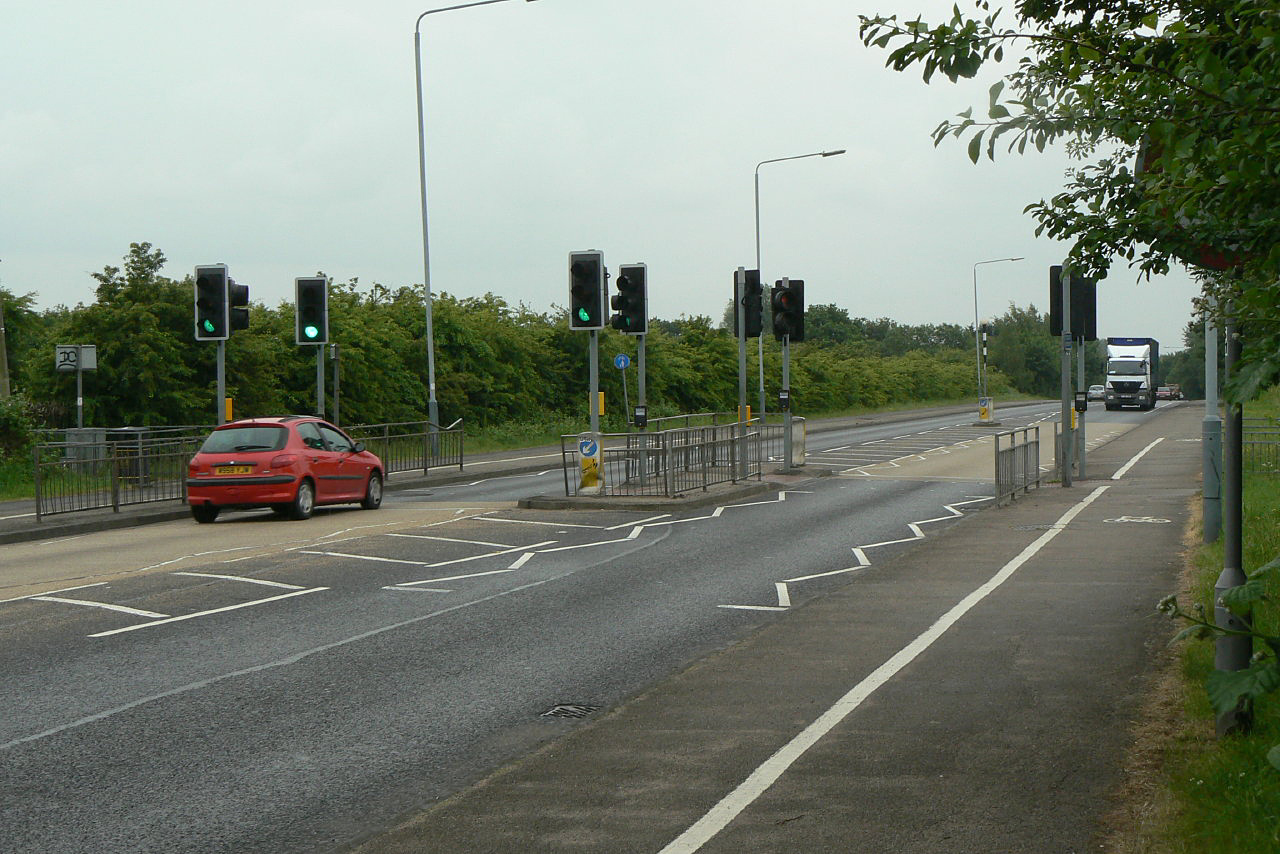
860,554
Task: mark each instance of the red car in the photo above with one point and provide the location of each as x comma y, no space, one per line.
291,464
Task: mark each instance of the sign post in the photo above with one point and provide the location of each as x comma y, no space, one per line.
78,358
592,476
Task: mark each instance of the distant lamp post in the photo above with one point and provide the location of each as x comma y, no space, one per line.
433,411
977,339
764,280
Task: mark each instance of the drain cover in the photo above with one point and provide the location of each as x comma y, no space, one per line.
570,710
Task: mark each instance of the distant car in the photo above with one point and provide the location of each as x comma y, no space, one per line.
1177,391
291,464
1164,392
1097,392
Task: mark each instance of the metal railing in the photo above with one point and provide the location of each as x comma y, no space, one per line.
412,445
99,468
672,462
1260,446
1017,462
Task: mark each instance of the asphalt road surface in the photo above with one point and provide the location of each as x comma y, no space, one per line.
263,685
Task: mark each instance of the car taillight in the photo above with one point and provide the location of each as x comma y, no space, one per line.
283,461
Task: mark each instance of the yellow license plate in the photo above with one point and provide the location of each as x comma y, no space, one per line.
233,470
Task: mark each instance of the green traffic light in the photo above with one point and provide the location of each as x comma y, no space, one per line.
583,315
208,326
311,331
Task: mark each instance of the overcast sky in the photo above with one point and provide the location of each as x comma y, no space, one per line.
279,137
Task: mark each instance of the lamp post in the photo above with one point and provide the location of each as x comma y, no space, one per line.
977,341
433,410
763,280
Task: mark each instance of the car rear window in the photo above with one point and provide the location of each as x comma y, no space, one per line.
260,438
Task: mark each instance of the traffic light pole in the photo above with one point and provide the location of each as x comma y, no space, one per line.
786,411
1080,389
739,293
320,380
595,382
221,402
1065,451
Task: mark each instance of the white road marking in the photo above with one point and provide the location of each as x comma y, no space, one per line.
137,612
536,522
752,607
521,561
453,577
47,592
242,578
207,613
407,589
453,540
768,773
784,595
1124,469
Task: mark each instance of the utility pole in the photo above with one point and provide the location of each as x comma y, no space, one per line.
4,356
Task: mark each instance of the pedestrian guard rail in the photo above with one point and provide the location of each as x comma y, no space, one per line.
1017,463
1260,446
669,463
98,468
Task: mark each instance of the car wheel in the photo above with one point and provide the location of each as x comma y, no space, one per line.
373,493
204,513
304,502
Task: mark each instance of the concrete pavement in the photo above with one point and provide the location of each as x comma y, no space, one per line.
974,694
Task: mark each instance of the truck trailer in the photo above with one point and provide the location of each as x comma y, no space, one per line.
1133,369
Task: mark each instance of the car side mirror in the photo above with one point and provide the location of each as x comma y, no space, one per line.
359,448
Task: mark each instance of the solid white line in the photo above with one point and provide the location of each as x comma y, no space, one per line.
242,578
406,589
17,516
453,540
207,613
753,607
453,577
521,561
641,522
784,595
137,612
1125,468
829,573
259,668
368,557
551,524
59,590
732,805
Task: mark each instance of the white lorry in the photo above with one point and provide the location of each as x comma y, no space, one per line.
1133,366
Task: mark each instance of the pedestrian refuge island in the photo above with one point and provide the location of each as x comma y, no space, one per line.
670,463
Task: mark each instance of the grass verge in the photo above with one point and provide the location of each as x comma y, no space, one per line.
1186,791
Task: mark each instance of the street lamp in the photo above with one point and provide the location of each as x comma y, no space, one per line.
762,277
433,411
977,342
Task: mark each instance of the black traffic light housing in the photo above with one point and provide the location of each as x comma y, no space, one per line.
586,290
788,310
211,310
631,302
752,300
238,299
312,309
1084,305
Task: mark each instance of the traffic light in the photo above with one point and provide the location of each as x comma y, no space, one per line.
238,299
586,290
312,309
631,302
211,314
788,309
752,300
1084,305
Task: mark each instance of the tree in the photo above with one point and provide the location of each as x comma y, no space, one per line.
1172,107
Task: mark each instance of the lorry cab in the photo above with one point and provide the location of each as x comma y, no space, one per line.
1132,365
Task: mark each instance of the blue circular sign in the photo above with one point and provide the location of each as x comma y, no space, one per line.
622,361
587,447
